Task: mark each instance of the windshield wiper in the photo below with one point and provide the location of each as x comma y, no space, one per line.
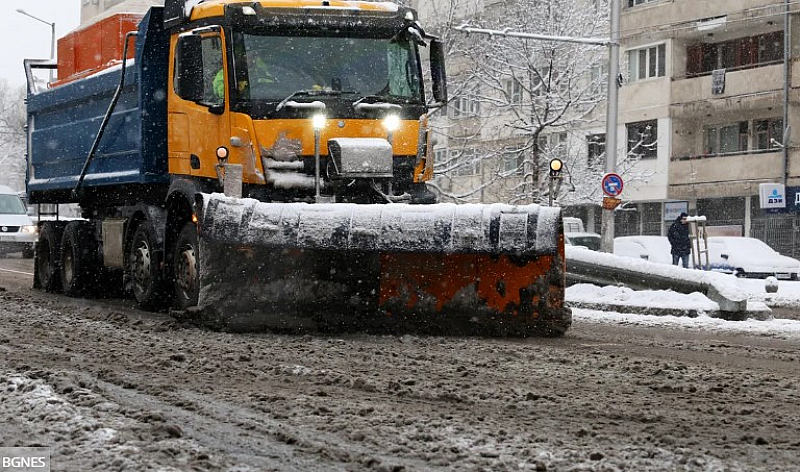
308,93
380,103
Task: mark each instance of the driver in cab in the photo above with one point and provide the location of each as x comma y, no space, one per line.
258,74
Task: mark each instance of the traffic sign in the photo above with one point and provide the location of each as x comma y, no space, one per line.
609,203
612,185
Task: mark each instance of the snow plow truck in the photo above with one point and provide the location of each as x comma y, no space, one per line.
263,164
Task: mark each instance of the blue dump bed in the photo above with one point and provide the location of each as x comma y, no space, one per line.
64,121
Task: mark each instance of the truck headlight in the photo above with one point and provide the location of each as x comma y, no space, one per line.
29,229
391,123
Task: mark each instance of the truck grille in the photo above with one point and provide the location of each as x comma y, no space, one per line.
9,229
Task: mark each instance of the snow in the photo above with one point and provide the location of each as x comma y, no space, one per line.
444,227
644,298
189,6
788,296
776,328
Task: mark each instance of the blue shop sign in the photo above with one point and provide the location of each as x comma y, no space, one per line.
792,202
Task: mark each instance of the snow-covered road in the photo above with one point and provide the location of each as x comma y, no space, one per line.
110,388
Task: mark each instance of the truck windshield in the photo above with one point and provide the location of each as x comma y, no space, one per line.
273,67
11,205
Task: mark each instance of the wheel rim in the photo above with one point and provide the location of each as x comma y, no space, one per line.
141,266
186,273
69,261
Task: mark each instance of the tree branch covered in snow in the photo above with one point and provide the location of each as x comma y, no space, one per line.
517,103
12,136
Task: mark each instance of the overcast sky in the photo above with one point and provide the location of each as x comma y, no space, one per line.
23,37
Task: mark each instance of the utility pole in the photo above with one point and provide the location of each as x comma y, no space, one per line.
787,74
607,228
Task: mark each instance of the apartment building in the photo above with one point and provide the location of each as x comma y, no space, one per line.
707,80
91,10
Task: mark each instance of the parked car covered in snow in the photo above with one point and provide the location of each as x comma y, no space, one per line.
650,248
576,235
750,257
17,231
588,240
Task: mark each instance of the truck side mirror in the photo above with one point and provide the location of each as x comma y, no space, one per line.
189,68
438,72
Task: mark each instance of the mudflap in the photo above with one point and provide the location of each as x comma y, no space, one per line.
367,268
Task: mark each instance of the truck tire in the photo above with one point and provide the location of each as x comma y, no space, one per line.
186,265
147,279
79,258
28,252
48,258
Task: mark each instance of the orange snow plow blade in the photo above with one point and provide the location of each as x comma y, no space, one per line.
447,269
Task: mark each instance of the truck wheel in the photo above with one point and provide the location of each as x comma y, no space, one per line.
78,258
48,257
187,268
28,252
146,278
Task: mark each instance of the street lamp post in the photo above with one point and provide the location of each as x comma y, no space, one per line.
52,35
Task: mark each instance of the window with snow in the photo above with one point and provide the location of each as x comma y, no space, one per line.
596,144
647,63
726,138
513,88
466,104
633,3
768,133
642,137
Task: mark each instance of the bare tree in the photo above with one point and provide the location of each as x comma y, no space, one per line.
12,136
518,103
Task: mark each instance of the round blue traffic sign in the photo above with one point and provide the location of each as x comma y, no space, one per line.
612,185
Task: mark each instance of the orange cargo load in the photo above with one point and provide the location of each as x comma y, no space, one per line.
95,47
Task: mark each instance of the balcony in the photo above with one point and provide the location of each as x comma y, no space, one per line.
747,89
664,15
723,174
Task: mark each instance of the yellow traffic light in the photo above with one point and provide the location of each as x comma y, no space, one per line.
555,167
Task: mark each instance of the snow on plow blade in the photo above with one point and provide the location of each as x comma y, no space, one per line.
431,269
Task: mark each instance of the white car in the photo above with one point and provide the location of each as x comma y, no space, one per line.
750,257
18,233
587,240
650,248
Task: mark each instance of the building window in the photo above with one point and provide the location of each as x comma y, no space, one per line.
768,133
600,76
466,162
647,63
553,142
513,160
642,138
737,54
513,89
726,139
633,3
467,104
597,148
